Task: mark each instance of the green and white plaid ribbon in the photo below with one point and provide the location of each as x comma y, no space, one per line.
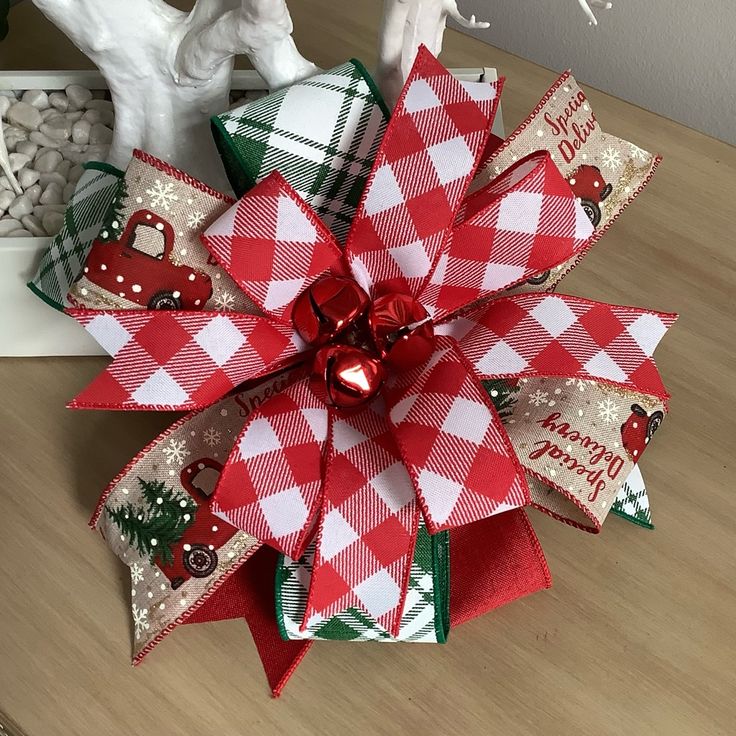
632,501
322,134
426,614
62,262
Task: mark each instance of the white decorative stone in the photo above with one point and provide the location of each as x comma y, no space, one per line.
92,116
20,207
29,148
75,174
28,177
6,199
7,226
34,193
18,161
50,113
100,134
36,98
78,96
14,135
99,105
43,140
53,178
34,226
59,101
20,234
58,129
68,191
41,210
48,161
64,168
24,115
53,194
5,103
80,132
52,222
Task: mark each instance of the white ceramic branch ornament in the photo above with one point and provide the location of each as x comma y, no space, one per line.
408,23
585,5
5,165
169,71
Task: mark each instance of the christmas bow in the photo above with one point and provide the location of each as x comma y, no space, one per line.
408,319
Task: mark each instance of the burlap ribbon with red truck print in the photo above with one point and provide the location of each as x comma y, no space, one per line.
427,447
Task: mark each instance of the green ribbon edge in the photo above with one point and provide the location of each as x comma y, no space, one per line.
440,546
632,519
90,166
236,167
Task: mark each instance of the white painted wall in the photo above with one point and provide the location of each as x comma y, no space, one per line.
674,57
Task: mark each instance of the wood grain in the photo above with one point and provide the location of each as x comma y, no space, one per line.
635,637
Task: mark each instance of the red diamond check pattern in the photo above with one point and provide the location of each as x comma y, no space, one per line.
525,221
367,529
558,335
425,163
180,360
453,443
271,483
273,244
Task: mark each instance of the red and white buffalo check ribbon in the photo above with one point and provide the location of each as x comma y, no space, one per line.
432,443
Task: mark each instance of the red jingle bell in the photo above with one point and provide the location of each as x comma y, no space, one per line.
327,307
402,330
346,377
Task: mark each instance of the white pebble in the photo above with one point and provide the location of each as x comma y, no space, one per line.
100,134
63,168
50,113
99,105
34,193
75,173
59,101
58,129
68,191
80,131
14,136
92,116
24,116
29,148
28,177
8,226
96,153
43,140
52,222
37,98
33,225
6,199
78,96
5,103
20,234
41,210
52,194
48,161
21,206
18,161
54,177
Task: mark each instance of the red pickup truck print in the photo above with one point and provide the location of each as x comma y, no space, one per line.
195,554
588,184
144,273
638,429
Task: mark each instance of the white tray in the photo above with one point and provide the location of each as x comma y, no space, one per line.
28,327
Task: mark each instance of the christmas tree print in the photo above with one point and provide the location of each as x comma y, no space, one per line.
153,530
112,227
503,396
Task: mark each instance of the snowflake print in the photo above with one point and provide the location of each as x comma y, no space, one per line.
140,620
611,158
195,220
136,573
176,452
638,153
224,301
162,195
211,437
608,410
574,381
538,398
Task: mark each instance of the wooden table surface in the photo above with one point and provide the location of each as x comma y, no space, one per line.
637,635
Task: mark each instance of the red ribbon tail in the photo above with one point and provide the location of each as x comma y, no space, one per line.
248,593
492,562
